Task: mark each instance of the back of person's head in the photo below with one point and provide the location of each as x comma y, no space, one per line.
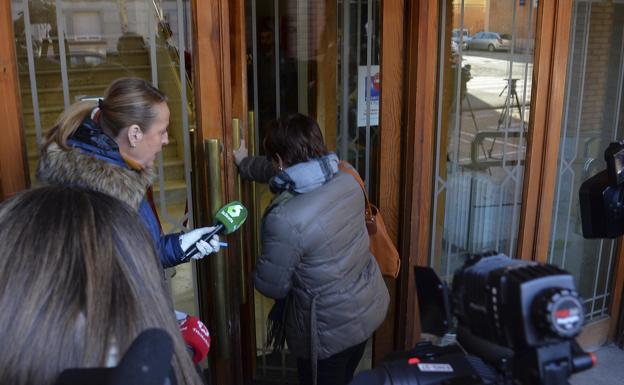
295,138
79,280
127,101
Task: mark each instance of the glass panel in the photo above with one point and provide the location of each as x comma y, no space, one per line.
484,91
69,51
314,57
593,117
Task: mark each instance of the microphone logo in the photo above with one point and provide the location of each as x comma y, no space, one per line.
234,210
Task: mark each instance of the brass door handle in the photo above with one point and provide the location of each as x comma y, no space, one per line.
236,142
218,265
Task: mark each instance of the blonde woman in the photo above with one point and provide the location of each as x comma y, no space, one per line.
110,146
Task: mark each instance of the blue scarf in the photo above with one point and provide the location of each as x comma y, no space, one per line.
305,176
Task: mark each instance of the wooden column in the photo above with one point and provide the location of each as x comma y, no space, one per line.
390,115
326,95
13,166
212,83
418,150
547,107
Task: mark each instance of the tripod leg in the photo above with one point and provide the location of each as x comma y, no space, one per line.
474,121
520,111
502,118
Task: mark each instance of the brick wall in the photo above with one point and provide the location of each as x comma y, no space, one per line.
599,51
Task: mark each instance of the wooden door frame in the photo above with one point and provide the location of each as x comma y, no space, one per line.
220,85
418,151
14,176
389,189
213,76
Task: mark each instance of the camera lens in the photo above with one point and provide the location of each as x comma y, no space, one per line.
558,312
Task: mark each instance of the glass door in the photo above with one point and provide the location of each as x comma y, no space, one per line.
72,50
593,117
483,109
320,58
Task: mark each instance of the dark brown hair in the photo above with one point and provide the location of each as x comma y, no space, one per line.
296,138
78,277
127,101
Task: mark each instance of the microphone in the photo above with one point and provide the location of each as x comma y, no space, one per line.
227,220
147,362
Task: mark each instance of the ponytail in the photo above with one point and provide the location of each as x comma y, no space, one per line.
67,124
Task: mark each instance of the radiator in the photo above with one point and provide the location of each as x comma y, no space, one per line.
479,213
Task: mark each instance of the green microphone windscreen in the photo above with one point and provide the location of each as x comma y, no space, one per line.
232,216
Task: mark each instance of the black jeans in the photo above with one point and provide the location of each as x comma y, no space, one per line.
335,370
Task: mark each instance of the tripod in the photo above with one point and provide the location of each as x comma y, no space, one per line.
505,115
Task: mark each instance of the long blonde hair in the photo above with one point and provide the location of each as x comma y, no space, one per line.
78,276
127,101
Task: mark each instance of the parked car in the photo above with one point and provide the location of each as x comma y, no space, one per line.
491,41
457,34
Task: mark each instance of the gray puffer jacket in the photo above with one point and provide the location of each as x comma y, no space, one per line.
315,251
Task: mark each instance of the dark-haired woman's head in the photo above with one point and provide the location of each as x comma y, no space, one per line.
294,139
79,280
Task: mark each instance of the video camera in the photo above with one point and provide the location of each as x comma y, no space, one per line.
516,323
602,197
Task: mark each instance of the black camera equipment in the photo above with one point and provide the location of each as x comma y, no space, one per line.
146,362
602,197
516,320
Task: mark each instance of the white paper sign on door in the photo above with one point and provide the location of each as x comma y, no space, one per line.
374,83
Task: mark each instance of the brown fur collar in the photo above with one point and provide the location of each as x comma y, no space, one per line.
75,168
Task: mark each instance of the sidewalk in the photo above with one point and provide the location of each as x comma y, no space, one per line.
608,371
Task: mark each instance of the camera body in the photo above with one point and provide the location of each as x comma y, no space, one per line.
516,304
516,321
602,197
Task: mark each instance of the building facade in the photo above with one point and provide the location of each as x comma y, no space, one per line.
468,141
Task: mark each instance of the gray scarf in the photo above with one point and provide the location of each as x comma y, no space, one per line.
306,176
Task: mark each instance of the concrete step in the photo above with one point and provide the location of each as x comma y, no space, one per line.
51,78
174,169
175,211
175,191
90,60
51,103
53,97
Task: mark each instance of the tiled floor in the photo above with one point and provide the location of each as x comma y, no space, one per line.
609,369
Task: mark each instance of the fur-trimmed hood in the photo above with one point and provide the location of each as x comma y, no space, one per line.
77,168
93,161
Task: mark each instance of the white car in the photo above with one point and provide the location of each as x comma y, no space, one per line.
491,41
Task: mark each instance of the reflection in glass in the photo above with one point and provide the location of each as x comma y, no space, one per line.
484,89
593,117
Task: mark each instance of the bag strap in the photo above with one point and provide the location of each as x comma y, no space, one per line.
344,166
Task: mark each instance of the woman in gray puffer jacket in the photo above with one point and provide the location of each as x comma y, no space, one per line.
315,255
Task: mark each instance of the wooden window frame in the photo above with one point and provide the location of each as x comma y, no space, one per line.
13,167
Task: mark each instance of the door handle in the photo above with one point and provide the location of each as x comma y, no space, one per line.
236,142
218,265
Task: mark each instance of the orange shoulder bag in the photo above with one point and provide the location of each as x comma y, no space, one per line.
381,245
